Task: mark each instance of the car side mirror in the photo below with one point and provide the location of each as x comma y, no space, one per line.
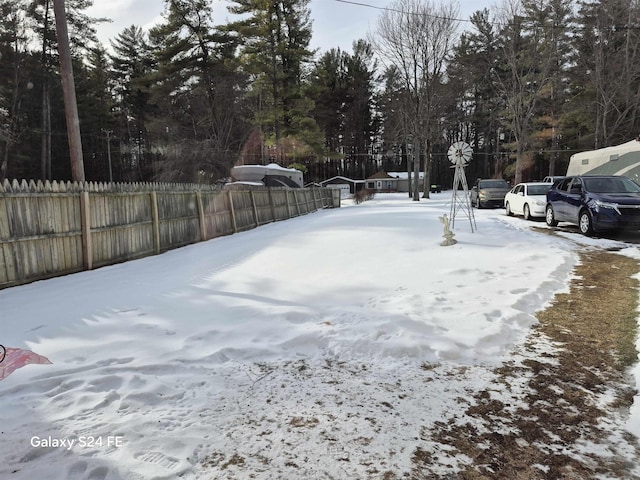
521,194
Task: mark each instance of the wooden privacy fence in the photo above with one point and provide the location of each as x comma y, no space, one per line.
50,229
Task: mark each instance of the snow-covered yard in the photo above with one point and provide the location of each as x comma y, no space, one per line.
319,347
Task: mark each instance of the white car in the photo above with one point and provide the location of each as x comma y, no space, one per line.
527,199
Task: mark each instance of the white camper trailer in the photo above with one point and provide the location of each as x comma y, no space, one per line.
618,160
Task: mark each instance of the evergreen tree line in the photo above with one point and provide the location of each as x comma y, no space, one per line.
526,84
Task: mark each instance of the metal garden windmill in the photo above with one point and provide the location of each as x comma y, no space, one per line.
460,154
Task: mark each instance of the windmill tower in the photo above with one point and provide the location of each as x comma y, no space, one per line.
460,154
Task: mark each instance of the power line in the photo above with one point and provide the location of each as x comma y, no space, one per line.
389,9
558,27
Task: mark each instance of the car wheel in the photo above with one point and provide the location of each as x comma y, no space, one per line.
584,223
550,217
526,212
507,207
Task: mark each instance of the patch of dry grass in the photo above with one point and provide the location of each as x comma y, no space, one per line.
596,327
598,316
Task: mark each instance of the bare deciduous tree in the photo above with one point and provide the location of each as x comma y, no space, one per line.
525,61
417,36
611,45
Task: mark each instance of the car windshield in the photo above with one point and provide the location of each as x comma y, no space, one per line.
493,184
538,189
611,185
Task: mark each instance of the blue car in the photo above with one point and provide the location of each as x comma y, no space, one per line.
594,203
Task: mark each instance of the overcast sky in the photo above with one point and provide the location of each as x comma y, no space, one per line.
335,23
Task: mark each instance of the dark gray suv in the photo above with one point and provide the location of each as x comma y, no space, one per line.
489,192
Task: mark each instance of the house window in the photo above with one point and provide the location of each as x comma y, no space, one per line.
371,185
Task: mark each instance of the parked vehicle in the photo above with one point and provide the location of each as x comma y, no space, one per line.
527,199
553,179
594,203
488,192
621,159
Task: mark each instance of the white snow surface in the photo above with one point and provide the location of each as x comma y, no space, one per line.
279,351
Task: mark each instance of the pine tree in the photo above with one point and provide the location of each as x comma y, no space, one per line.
276,36
360,125
328,86
343,87
607,71
82,36
476,120
14,79
548,126
197,92
132,65
96,108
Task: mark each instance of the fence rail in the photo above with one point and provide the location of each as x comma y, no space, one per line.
55,228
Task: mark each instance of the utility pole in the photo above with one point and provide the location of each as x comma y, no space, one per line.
497,164
108,133
69,93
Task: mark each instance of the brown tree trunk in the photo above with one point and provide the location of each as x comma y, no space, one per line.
69,93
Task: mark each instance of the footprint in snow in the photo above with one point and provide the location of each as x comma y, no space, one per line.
157,458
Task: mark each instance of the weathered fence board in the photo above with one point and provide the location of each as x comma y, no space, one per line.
55,228
39,234
121,226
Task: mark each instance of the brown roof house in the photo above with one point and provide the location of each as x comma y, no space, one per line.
382,182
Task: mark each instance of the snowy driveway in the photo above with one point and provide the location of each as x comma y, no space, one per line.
288,351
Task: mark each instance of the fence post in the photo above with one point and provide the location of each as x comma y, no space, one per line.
85,221
295,199
255,209
273,207
335,198
203,225
233,213
213,212
286,194
155,220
